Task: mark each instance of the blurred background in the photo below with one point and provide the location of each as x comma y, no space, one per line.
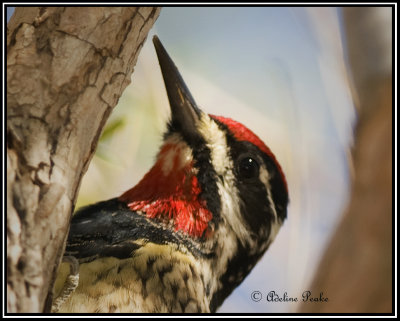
279,70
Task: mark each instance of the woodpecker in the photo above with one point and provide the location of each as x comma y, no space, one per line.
192,229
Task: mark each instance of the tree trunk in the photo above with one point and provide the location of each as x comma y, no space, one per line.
356,271
66,69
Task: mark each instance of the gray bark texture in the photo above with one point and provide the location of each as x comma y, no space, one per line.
66,69
355,273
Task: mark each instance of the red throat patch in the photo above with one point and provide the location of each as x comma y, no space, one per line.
171,194
242,133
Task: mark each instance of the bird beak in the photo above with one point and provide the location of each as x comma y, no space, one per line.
184,112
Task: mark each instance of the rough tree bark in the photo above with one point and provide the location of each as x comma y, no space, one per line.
356,270
66,69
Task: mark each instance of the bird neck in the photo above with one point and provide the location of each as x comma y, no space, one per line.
170,192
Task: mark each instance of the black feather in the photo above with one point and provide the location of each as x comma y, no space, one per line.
109,228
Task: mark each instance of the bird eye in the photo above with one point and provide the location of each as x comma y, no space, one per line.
248,168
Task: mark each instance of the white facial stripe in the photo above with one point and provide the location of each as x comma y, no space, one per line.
216,142
275,227
230,208
264,177
276,224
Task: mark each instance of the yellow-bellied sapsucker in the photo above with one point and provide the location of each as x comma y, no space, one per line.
191,230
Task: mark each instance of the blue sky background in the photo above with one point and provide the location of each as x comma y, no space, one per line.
280,71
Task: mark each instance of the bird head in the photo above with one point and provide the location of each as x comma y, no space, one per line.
214,181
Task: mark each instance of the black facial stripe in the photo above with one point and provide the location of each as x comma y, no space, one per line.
207,176
255,205
237,270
